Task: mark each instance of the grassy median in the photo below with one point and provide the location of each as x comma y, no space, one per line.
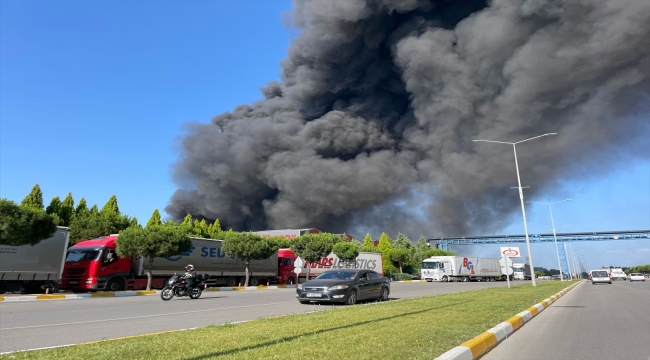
421,328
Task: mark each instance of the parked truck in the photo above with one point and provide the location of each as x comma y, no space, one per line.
365,260
93,265
617,274
459,268
32,269
521,271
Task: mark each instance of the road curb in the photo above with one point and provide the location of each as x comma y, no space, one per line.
128,293
483,343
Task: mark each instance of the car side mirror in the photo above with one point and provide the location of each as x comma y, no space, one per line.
109,256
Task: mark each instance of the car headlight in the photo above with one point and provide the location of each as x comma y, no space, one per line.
338,287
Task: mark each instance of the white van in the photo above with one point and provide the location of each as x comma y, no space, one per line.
599,276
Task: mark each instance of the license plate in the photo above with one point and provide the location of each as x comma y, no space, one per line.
72,282
313,295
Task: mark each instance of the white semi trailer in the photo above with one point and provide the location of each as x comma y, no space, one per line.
459,268
30,268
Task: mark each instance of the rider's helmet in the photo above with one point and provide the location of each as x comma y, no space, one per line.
189,267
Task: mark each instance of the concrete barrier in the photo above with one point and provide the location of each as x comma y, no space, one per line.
483,343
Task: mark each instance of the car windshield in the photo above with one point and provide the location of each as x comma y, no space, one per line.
599,274
82,255
429,264
337,275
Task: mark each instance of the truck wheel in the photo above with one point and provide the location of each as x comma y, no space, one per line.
445,279
115,285
254,281
231,281
291,281
465,279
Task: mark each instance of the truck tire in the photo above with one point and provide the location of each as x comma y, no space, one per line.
231,281
445,279
253,281
465,279
115,284
291,281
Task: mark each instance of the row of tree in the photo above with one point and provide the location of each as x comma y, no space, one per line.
644,269
31,222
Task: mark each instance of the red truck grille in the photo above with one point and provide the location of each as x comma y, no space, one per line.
75,272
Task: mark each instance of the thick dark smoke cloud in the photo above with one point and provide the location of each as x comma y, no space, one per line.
371,126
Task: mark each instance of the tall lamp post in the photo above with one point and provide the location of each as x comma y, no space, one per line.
521,194
557,250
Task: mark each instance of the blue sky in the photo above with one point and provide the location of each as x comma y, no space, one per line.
94,95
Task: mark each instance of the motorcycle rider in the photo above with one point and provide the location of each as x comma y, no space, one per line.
188,277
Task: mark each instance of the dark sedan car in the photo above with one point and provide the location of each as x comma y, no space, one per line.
344,285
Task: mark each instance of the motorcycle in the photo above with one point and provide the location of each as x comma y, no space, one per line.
176,286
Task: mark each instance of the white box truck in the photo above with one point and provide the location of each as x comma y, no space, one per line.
460,268
30,268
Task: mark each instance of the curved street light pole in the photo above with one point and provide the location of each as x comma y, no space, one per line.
521,196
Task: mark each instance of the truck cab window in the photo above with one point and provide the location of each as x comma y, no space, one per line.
109,259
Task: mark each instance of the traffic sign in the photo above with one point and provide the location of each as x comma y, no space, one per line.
297,270
506,270
505,261
299,262
511,251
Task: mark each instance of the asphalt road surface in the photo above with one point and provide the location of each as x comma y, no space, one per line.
46,323
590,322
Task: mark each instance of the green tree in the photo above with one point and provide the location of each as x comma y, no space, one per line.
111,206
368,245
96,223
436,252
155,219
24,225
67,210
399,257
247,246
385,246
539,273
34,199
346,251
313,247
279,242
152,242
367,241
82,208
54,209
214,229
402,242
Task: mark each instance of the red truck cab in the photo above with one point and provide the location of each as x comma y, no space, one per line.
286,257
94,265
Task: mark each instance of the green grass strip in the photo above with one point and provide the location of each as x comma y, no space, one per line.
420,328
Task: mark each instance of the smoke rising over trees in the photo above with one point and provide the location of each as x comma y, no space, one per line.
372,122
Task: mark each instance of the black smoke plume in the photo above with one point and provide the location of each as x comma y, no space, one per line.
371,125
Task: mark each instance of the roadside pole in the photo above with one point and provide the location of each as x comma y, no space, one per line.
298,263
506,267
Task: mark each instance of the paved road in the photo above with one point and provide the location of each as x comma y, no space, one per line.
45,323
590,322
